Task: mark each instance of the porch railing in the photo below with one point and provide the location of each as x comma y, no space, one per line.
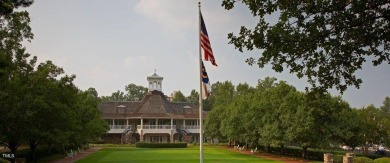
156,126
190,127
120,127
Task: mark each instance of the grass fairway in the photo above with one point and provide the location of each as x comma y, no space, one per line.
182,155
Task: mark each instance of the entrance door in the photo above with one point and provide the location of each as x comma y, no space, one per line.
156,139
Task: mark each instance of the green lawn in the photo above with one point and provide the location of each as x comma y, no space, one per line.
183,155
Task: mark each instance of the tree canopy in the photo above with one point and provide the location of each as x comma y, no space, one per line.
326,41
39,102
178,96
275,113
7,6
133,93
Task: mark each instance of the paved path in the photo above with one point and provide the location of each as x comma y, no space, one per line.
79,155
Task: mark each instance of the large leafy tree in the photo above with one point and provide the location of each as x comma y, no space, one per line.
279,104
371,131
44,93
87,113
221,96
386,105
15,70
178,96
115,96
7,6
316,122
351,127
135,92
36,104
193,97
326,41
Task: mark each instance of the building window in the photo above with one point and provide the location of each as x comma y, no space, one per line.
120,123
154,85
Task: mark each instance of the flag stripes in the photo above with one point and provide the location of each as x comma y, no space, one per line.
205,42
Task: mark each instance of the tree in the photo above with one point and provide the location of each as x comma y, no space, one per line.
326,41
222,93
91,126
135,92
221,96
178,97
351,125
116,96
7,6
15,103
279,103
315,123
15,70
371,133
43,92
386,105
193,97
213,123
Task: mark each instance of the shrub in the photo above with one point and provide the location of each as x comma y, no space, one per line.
382,160
362,160
3,161
337,158
223,140
371,156
294,152
161,145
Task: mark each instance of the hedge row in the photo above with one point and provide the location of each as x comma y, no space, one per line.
160,145
3,161
382,160
316,154
294,152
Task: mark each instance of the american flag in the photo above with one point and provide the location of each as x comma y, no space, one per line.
206,83
205,42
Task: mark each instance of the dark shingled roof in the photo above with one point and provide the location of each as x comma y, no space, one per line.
153,105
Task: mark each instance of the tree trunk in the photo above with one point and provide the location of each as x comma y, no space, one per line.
49,148
282,151
33,143
13,146
269,148
304,152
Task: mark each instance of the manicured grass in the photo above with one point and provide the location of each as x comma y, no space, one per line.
177,155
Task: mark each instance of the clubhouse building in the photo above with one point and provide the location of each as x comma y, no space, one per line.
153,119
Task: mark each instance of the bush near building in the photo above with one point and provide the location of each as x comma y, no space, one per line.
160,145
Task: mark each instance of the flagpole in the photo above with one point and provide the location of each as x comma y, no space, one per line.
200,95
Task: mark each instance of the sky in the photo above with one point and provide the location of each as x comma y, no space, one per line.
110,44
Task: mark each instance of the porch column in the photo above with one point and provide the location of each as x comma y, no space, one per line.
113,123
156,123
141,135
142,123
184,123
171,124
141,131
171,135
127,123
